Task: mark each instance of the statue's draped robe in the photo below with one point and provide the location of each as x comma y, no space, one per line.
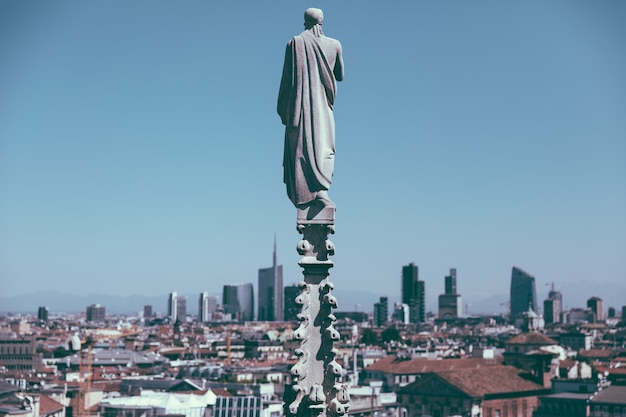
305,105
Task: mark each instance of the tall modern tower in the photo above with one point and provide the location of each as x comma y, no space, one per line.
450,282
523,294
271,291
553,307
238,301
176,307
207,305
381,312
413,293
96,313
42,314
597,307
450,301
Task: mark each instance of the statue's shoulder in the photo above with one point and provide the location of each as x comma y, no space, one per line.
333,43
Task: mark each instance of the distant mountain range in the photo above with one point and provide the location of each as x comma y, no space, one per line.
574,295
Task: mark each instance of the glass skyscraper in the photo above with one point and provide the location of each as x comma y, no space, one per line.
413,293
238,301
271,292
523,294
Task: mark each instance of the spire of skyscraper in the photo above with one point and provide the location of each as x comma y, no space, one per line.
274,262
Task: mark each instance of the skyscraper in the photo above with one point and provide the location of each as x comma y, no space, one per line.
553,307
203,307
292,309
596,305
42,314
207,305
96,313
450,301
238,301
401,313
381,312
271,291
172,312
413,293
450,282
176,307
523,294
147,311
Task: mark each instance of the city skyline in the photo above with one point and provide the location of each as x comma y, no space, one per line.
427,293
140,149
352,301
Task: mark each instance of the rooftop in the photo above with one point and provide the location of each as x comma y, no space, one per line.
532,338
484,381
615,394
476,383
393,365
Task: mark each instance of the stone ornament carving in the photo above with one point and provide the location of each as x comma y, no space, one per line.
315,390
313,65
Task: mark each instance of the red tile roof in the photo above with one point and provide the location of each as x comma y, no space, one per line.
532,338
567,363
48,406
393,365
476,383
494,380
597,353
221,392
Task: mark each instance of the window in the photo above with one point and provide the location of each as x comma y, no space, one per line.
498,413
488,414
524,408
514,408
505,410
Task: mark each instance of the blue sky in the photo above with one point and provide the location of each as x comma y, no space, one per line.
141,153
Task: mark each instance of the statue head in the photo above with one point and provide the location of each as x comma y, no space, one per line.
313,17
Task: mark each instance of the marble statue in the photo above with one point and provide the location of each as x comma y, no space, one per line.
313,65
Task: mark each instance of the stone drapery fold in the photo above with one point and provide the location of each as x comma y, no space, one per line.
305,105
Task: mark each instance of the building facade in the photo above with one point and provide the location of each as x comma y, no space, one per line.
42,314
292,309
271,292
450,301
413,293
176,307
238,301
207,305
96,313
472,392
20,354
596,305
523,293
381,312
553,307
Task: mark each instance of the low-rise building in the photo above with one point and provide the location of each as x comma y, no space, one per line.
20,354
397,372
497,391
610,401
567,404
151,404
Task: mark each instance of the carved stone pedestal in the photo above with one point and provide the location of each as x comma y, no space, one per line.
315,391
